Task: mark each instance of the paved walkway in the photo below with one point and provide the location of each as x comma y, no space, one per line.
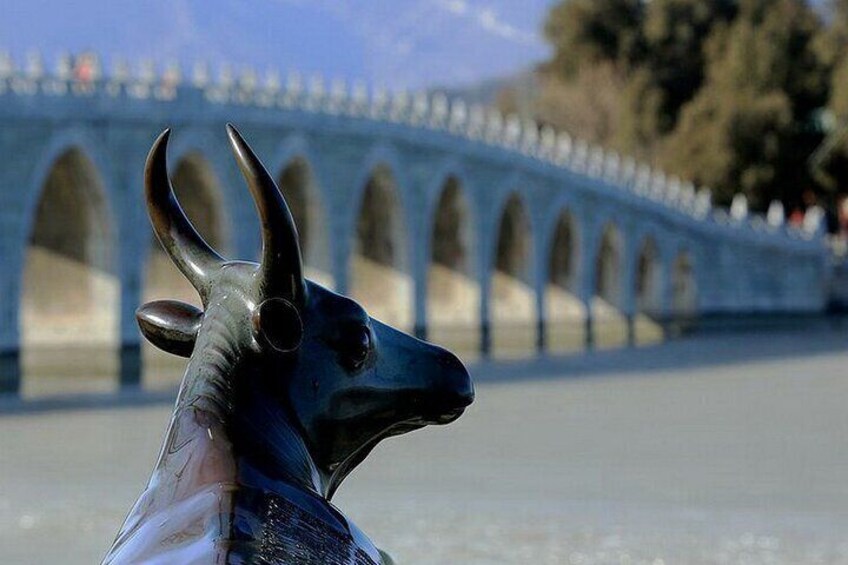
723,449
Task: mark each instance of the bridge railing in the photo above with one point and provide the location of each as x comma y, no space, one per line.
83,75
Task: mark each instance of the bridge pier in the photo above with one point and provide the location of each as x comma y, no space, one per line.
485,340
131,366
631,330
589,338
420,331
10,372
541,342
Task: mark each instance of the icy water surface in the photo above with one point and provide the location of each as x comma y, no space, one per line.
724,449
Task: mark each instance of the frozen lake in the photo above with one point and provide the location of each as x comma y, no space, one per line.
719,449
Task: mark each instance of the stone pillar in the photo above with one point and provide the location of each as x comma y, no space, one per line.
667,294
10,372
419,251
131,266
485,316
10,281
540,280
586,280
133,234
628,293
484,277
131,368
341,248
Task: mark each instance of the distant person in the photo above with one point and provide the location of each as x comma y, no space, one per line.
796,217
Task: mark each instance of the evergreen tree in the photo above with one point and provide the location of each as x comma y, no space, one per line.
584,32
750,128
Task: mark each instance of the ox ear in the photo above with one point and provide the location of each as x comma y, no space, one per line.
170,325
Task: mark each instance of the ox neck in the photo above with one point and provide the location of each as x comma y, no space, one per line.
248,437
269,444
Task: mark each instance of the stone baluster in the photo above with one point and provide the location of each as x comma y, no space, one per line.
400,106
579,161
476,124
64,67
221,88
269,89
612,168
775,216
595,165
458,117
703,202
439,111
26,83
294,90
511,132
170,81
246,85
687,197
7,66
672,191
35,66
142,83
564,147
316,92
358,99
56,84
379,104
119,78
494,126
814,221
627,175
739,207
658,185
420,108
547,143
642,182
529,144
200,75
337,101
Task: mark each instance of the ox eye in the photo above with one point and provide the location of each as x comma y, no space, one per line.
356,346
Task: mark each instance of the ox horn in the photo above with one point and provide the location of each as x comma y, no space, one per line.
193,256
281,271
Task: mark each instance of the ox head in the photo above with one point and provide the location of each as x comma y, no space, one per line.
270,342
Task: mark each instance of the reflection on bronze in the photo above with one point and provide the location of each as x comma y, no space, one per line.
288,387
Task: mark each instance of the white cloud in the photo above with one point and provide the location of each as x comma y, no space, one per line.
488,20
458,7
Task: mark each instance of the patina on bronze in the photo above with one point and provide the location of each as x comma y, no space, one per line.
288,387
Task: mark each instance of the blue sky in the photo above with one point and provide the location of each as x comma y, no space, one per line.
397,43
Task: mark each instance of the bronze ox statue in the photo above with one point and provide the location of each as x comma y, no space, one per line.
288,387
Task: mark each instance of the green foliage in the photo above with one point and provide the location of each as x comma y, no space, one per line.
674,33
747,130
723,92
584,32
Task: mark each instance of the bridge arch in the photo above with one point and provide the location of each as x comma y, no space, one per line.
684,287
380,262
648,279
565,312
608,322
648,290
298,179
70,297
453,290
513,316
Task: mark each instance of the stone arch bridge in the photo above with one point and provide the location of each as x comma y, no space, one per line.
450,220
